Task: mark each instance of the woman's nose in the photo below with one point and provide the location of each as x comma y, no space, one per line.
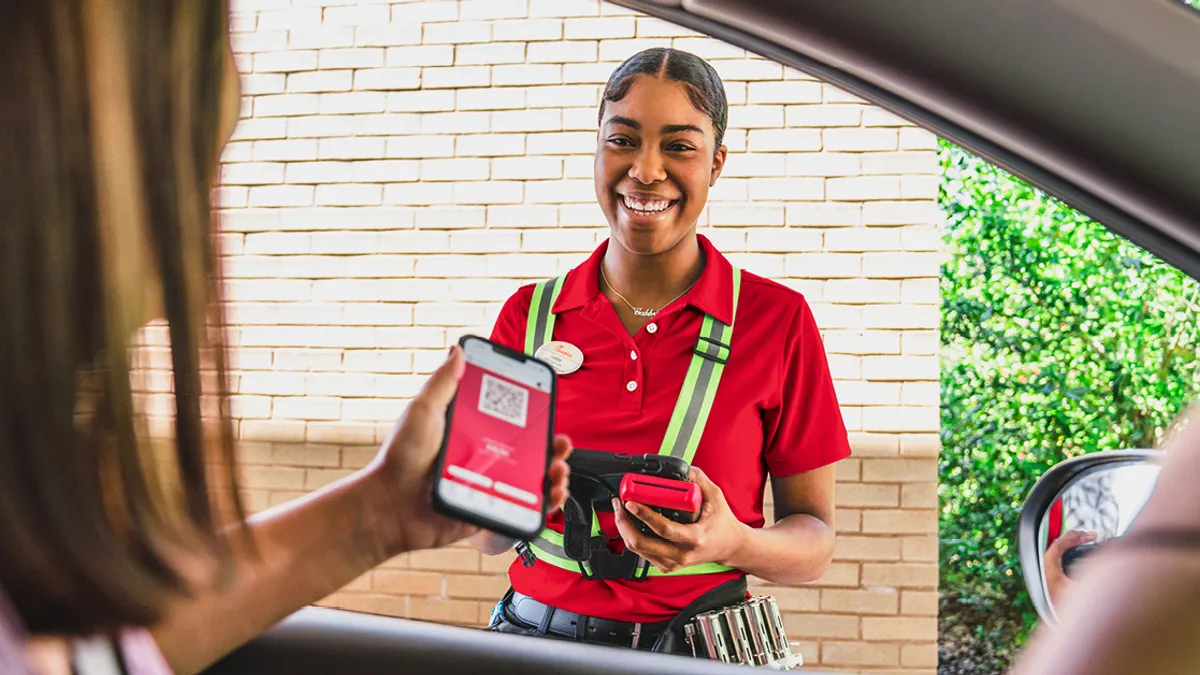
647,166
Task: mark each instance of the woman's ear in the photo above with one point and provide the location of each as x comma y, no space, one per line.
718,164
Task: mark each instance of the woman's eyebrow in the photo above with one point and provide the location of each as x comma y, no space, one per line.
666,130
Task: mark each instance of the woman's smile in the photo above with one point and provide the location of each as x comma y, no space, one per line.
645,210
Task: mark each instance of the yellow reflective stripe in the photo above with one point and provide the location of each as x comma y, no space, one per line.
539,324
709,568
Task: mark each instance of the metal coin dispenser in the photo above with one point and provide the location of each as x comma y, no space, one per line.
750,634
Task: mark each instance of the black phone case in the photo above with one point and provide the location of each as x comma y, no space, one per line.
481,519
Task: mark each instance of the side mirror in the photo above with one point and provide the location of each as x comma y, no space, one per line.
1073,510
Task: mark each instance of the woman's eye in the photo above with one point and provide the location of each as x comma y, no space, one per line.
623,142
679,147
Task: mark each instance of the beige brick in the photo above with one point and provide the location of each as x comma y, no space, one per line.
903,628
317,478
867,495
527,30
920,445
441,610
922,548
791,599
900,265
901,419
901,213
384,605
919,603
272,478
824,164
815,626
839,574
275,431
906,521
900,368
859,654
603,28
901,163
823,265
898,470
921,394
445,559
307,456
425,12
363,57
476,587
860,140
824,214
862,291
357,458
919,495
917,139
848,520
867,548
919,655
908,575
737,70
650,27
883,601
901,317
476,10
407,582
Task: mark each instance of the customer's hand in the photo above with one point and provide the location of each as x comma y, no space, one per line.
404,469
1057,581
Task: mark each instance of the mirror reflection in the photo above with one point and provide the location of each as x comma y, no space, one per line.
1094,508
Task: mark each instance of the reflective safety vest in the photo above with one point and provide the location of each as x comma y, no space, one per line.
709,357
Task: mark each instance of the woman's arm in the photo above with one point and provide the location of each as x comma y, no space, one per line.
799,546
306,550
314,545
796,549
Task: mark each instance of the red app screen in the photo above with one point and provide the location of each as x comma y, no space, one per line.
497,438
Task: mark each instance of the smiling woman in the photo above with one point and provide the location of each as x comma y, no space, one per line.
653,312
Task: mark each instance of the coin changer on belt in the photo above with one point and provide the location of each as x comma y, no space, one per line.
750,634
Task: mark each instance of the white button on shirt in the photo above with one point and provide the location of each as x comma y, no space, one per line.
633,355
632,386
652,328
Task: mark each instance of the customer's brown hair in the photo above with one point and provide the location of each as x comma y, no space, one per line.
109,125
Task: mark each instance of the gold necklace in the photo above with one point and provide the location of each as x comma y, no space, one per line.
640,311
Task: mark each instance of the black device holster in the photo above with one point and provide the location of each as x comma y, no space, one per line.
595,482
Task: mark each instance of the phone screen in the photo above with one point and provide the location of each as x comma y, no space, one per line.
495,457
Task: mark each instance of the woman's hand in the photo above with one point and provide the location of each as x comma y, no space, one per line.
713,538
404,469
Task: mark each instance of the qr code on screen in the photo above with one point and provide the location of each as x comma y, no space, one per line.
503,400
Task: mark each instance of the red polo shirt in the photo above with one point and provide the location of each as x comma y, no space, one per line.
775,411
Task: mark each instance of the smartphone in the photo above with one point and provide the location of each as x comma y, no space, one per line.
496,452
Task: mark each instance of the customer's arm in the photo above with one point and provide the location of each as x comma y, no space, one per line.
1135,609
314,545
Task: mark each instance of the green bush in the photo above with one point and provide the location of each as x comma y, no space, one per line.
1058,338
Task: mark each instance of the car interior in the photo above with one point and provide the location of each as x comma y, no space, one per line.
1094,102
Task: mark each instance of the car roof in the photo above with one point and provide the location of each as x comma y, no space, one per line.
1095,101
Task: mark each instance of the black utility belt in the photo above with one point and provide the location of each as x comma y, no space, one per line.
720,625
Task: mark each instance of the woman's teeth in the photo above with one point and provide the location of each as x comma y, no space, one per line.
646,207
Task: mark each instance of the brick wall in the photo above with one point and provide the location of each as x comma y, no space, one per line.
401,168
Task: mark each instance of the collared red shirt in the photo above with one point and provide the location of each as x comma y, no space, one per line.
775,412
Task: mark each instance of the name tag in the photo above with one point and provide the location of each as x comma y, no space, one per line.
564,357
